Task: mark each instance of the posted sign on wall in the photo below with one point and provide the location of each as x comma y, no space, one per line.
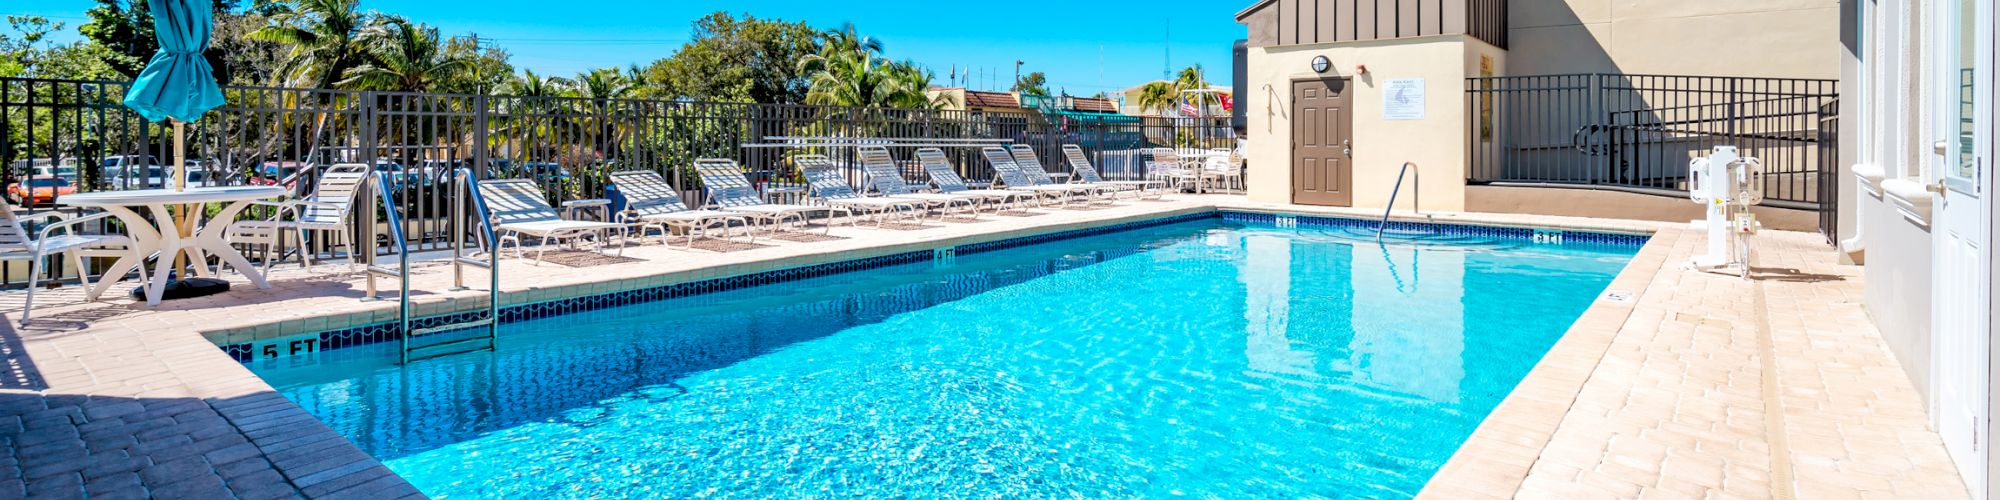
1403,99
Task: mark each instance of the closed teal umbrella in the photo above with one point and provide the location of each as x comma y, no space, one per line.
178,83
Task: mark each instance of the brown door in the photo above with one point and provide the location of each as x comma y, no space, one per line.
1322,138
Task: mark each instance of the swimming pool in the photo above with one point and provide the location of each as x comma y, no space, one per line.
1214,357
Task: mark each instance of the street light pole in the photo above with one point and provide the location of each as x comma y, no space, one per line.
1017,73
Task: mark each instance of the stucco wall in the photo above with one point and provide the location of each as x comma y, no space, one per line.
1899,286
1436,143
1609,204
1768,38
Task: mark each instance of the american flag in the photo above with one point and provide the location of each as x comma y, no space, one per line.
1189,109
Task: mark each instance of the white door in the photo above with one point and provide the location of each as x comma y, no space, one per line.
1961,165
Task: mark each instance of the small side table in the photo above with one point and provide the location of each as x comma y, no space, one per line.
600,208
784,193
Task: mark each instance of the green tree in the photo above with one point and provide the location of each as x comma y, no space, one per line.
1190,79
602,83
1035,84
26,45
735,60
126,32
1158,96
527,84
324,41
400,55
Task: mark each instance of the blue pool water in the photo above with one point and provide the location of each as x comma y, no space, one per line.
1203,358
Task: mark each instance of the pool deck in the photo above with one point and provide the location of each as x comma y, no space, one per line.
1699,385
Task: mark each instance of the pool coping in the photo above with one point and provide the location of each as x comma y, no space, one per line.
111,370
1495,460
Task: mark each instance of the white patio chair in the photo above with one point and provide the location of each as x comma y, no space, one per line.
326,210
1167,166
17,244
1224,169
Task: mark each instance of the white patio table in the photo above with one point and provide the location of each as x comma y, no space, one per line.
1196,160
173,232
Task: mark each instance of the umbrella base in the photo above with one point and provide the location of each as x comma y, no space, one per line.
186,289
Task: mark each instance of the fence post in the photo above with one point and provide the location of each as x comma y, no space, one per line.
1601,111
481,151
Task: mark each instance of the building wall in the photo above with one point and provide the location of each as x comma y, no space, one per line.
1791,38
1436,143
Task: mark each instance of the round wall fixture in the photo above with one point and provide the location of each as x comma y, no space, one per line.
1321,64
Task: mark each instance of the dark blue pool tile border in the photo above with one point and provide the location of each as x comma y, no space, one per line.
385,332
1522,234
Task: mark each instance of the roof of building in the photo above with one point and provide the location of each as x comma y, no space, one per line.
1093,104
982,99
1253,8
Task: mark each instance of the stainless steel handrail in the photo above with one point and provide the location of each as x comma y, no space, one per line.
394,217
1416,199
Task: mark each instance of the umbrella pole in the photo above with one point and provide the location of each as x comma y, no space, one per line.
184,221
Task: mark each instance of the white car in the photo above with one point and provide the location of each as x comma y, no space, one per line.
131,172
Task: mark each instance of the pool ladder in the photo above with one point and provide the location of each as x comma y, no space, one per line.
414,346
1416,198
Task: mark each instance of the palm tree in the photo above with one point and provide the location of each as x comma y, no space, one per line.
1159,96
406,57
527,84
323,37
604,83
848,79
913,84
847,40
1190,79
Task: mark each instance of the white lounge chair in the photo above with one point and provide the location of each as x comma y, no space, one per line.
728,190
518,208
1087,172
652,203
947,180
829,185
1031,165
16,243
1013,178
882,174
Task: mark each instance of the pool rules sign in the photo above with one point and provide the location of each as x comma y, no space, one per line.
1403,99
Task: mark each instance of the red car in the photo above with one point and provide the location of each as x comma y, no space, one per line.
45,190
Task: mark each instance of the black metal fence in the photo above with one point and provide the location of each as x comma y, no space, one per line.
1638,132
283,136
1829,171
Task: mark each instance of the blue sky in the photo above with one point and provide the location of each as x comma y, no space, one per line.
1084,47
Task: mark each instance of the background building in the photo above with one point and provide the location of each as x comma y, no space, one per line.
1509,106
1919,84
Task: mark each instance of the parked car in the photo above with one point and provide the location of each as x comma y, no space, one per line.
39,190
131,172
546,172
275,173
200,174
67,168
